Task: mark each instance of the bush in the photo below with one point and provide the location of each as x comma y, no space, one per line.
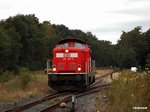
130,90
25,77
147,87
5,76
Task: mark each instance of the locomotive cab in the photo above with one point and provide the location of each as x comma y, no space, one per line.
72,68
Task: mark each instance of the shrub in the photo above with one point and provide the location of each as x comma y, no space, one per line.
147,87
5,76
130,90
25,77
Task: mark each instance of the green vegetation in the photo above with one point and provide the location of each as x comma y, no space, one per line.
6,76
26,84
133,48
128,91
25,77
25,42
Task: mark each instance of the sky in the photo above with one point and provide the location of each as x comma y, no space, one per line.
106,19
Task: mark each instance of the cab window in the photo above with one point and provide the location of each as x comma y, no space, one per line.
63,45
79,45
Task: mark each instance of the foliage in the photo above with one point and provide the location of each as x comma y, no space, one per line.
6,76
27,28
9,42
133,48
25,42
25,77
148,61
14,90
130,90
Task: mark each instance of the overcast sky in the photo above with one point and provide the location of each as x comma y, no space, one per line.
104,18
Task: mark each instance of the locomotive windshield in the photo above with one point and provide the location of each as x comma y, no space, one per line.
72,44
63,45
79,45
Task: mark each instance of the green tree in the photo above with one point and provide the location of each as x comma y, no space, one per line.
28,27
9,42
148,61
50,37
132,48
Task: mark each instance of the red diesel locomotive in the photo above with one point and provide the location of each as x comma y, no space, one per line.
72,67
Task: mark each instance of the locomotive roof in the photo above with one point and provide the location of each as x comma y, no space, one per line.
73,40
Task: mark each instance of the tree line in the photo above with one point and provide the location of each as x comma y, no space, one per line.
25,42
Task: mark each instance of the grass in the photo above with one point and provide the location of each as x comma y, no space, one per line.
128,91
26,84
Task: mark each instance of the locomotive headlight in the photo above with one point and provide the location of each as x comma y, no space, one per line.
79,67
66,50
54,68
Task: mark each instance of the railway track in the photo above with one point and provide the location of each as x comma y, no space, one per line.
107,74
90,90
77,95
45,98
100,79
93,88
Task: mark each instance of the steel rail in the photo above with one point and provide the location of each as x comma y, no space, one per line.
78,94
54,95
28,105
